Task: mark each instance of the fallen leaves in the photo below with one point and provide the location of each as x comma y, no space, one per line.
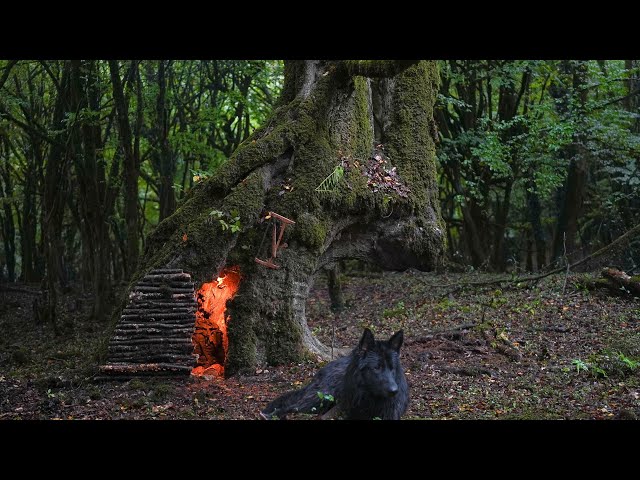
380,176
162,408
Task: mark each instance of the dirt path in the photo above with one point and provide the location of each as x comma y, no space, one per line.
527,353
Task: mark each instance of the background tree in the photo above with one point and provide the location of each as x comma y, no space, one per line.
94,153
526,147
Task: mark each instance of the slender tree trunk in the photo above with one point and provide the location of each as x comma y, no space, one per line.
94,195
29,216
54,201
502,215
575,184
165,160
8,226
131,167
534,211
335,288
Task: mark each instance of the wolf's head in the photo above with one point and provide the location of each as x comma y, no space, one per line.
378,363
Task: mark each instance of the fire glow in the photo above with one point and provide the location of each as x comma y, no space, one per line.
210,337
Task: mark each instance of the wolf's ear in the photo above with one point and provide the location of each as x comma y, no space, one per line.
395,342
367,342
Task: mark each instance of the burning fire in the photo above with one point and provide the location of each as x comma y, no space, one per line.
210,337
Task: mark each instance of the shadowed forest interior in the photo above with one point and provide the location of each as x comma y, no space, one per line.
536,179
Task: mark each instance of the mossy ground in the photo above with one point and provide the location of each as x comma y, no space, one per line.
44,377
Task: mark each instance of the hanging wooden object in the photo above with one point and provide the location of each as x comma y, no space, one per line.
276,239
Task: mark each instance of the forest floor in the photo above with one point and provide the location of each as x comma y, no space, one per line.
526,352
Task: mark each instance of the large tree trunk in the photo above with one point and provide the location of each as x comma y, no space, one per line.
325,114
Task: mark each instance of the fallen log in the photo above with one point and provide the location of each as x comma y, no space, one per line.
620,281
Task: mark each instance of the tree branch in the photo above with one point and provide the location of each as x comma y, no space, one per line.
28,128
7,71
377,68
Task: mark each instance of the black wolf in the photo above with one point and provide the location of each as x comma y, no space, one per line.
367,384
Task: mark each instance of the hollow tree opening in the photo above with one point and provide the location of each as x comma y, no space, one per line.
210,339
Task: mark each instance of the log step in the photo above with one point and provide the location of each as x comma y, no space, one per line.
154,341
129,328
167,276
143,367
144,315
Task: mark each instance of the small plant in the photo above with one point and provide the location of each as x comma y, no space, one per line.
199,175
227,222
398,310
497,299
445,304
632,364
330,184
325,397
580,365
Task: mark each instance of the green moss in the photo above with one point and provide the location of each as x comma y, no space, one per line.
362,129
242,337
376,68
311,231
284,338
409,142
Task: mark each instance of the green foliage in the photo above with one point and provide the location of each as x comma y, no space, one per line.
607,363
228,222
580,365
398,310
510,129
208,107
331,182
325,397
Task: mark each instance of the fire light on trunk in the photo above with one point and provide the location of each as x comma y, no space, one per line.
210,336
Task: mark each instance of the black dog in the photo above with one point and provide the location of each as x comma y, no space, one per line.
367,384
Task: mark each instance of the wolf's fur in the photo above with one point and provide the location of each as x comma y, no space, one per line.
369,383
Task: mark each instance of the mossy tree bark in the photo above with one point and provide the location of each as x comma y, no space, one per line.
326,111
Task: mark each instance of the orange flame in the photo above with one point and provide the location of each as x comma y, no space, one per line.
210,337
